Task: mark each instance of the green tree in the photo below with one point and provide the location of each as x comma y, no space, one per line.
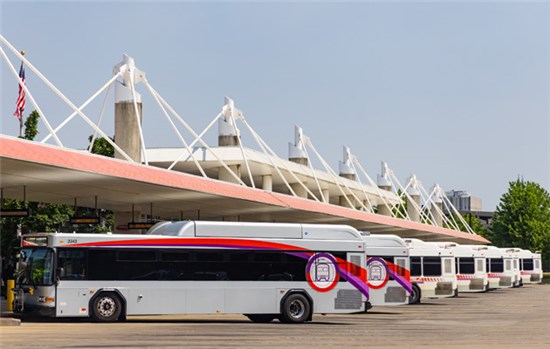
522,218
31,125
102,147
471,220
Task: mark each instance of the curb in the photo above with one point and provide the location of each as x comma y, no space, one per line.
6,321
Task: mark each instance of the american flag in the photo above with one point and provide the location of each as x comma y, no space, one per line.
20,104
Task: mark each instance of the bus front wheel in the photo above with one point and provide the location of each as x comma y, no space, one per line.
296,309
414,298
107,307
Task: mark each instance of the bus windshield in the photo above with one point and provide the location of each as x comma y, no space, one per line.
35,267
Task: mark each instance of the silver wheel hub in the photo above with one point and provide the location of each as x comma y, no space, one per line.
297,308
106,307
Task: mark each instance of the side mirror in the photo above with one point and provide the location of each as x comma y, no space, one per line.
60,273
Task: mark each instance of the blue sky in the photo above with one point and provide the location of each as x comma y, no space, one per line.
457,93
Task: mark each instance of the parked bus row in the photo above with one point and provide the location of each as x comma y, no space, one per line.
265,271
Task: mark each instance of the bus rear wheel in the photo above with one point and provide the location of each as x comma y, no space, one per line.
414,298
107,307
261,318
296,309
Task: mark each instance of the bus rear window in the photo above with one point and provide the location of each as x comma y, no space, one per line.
527,264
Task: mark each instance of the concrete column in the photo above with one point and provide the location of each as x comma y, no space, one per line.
411,210
326,194
127,125
224,175
299,190
267,182
438,218
351,176
127,130
301,161
345,203
227,134
367,205
346,169
296,150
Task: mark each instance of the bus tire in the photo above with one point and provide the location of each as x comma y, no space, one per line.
261,318
296,308
414,298
106,307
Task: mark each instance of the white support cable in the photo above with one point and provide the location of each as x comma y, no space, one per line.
377,189
426,213
101,113
451,218
393,180
313,172
137,115
460,218
179,135
180,119
239,141
196,140
27,92
271,153
335,177
81,107
63,98
362,186
429,215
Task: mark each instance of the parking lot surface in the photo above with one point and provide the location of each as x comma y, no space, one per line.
510,318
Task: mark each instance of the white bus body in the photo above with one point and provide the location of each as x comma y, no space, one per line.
263,270
530,267
388,265
499,267
513,253
432,270
470,264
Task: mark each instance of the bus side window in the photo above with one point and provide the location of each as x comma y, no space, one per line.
416,266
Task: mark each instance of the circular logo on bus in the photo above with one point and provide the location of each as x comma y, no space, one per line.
378,273
322,272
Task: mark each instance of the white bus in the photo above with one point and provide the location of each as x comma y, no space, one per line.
432,271
262,270
498,266
512,256
530,267
470,267
388,265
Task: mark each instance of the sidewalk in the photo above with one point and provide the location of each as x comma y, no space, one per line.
6,317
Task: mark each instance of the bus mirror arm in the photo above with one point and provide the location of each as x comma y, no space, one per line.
60,273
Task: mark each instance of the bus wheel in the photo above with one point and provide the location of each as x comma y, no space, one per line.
262,318
414,298
106,307
296,309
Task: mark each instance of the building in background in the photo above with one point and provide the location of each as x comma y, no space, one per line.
463,201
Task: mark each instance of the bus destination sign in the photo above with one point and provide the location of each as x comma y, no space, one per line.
13,213
140,225
84,220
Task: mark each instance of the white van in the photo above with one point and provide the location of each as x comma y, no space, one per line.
388,269
470,266
433,272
